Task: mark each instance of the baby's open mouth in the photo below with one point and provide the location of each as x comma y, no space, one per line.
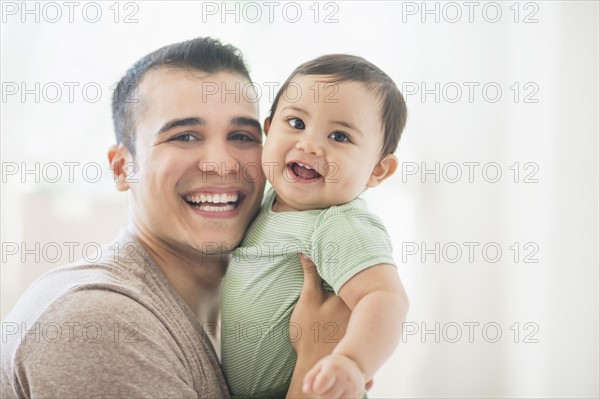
303,172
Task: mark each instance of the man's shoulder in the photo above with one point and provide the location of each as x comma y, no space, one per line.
83,313
90,341
98,305
110,288
82,317
103,277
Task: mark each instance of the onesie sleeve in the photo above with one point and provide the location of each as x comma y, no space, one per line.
348,239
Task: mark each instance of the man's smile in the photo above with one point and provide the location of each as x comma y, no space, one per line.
209,200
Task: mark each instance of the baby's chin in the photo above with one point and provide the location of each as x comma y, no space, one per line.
296,203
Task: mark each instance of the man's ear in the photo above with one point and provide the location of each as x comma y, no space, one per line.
267,125
117,154
384,169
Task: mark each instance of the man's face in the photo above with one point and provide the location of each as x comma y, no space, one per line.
197,163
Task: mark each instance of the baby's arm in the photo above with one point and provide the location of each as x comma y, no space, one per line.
379,305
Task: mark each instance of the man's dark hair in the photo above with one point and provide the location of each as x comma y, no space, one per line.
203,54
349,68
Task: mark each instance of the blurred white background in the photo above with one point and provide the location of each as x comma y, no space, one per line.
509,87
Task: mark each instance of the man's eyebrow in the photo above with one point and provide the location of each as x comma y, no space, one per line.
245,121
193,121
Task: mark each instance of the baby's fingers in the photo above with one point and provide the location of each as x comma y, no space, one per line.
323,382
337,391
309,378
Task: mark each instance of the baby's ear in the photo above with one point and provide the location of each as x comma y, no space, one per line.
267,125
384,169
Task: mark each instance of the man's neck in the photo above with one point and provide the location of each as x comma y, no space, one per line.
195,276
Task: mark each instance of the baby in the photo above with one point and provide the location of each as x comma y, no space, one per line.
331,134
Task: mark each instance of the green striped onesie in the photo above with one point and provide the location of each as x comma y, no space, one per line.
264,280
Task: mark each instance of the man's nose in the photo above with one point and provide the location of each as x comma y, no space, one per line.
218,159
311,144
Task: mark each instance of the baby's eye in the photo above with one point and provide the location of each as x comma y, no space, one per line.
296,123
339,137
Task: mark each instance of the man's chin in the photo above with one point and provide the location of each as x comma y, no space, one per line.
217,247
228,247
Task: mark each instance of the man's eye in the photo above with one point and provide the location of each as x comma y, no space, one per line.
242,137
339,137
296,123
185,137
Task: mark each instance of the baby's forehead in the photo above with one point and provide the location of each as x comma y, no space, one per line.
329,89
332,80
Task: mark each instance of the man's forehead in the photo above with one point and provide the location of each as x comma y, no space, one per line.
174,87
169,77
170,95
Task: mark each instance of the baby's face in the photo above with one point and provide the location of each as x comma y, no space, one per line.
323,143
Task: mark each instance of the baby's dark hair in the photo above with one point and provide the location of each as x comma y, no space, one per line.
350,68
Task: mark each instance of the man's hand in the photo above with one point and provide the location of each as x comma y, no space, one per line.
335,376
320,317
318,323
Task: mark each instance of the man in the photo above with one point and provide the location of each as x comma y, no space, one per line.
134,323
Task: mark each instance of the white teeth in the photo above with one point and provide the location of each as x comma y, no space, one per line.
208,208
304,166
223,198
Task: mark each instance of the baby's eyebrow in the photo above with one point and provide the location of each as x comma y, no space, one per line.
349,126
293,108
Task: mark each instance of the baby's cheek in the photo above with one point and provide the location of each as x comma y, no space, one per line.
270,153
270,163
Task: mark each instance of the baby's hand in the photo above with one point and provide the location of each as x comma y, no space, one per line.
335,376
